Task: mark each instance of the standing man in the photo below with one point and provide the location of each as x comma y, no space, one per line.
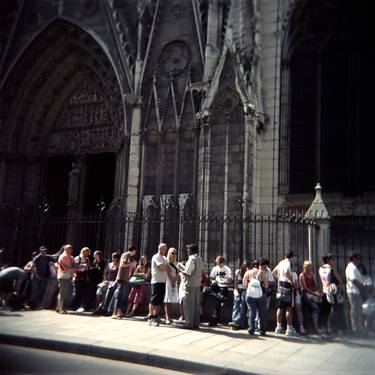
284,296
159,274
40,275
354,284
65,273
193,275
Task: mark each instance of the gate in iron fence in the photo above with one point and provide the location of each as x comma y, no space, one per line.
353,234
236,238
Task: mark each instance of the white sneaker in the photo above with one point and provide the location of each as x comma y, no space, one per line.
290,331
80,310
155,322
279,329
302,330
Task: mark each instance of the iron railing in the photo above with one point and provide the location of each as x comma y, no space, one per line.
236,238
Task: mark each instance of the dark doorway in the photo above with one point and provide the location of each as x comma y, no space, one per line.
99,181
58,168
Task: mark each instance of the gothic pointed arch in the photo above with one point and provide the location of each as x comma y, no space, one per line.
62,57
325,73
62,98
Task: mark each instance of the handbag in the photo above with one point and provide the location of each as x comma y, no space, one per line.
136,281
284,294
335,294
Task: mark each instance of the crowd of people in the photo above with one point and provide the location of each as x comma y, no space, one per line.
87,283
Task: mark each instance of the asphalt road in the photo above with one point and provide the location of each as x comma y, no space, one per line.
20,360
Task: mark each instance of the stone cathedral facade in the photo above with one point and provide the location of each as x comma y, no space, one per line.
183,107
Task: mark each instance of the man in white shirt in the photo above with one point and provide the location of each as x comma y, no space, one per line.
354,283
284,296
159,273
193,276
221,278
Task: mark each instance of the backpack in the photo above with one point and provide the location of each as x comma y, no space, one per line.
254,289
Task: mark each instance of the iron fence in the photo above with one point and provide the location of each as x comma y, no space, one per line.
353,234
235,237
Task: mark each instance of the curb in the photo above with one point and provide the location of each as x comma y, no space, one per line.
148,359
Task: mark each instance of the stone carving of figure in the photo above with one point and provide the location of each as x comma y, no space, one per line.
73,187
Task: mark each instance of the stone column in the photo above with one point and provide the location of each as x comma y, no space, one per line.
134,172
214,19
226,192
203,187
121,169
166,203
2,178
319,234
184,201
149,207
247,184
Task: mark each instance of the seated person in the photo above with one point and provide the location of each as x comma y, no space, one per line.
221,278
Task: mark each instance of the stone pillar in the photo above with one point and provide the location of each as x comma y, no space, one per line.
226,192
134,162
121,169
319,231
184,201
134,172
247,185
212,50
2,178
166,203
149,207
203,187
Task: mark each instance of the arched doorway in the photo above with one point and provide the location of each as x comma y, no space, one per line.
65,132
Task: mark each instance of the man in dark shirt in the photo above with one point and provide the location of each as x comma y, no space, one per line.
40,275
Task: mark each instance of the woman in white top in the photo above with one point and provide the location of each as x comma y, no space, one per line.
333,312
171,290
256,282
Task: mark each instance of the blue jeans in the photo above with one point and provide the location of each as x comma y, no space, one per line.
109,299
121,295
260,305
239,308
38,287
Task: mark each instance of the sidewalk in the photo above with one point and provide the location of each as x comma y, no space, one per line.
210,350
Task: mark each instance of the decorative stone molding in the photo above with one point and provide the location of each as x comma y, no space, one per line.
115,210
148,204
184,201
166,202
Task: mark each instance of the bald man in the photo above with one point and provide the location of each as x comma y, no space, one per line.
11,282
159,274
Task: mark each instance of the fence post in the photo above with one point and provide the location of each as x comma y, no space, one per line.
319,227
